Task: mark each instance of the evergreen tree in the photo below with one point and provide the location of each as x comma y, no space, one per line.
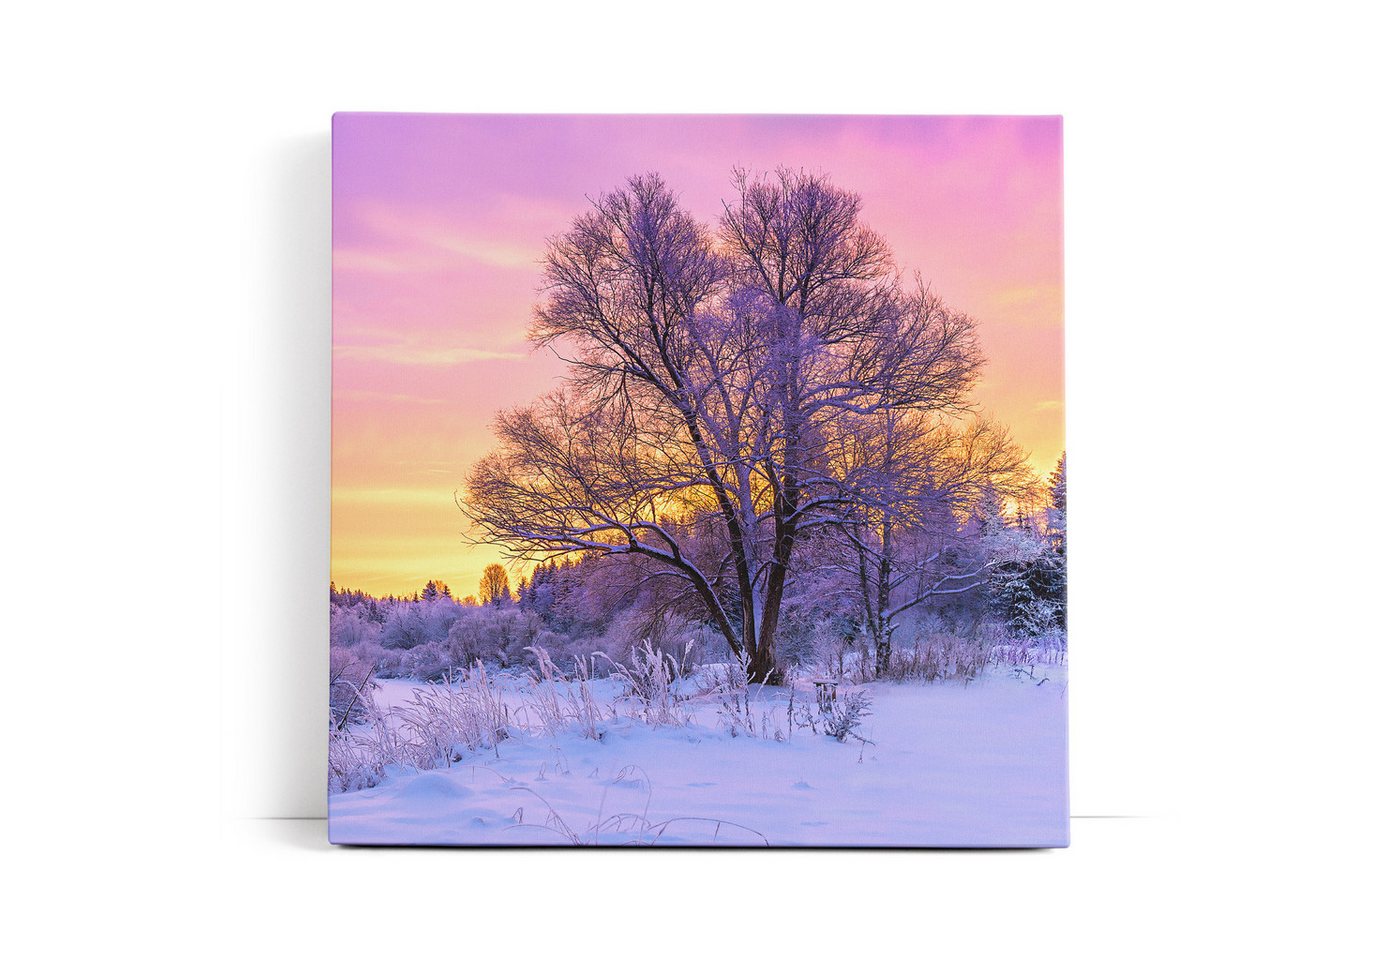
435,589
1056,519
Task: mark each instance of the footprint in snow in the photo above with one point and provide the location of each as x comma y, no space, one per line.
802,785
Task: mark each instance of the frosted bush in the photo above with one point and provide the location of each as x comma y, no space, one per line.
469,641
433,729
834,650
838,718
650,680
628,629
940,657
428,661
351,683
369,651
685,643
496,634
403,627
391,663
351,626
557,702
726,684
467,713
437,616
1052,644
351,766
568,652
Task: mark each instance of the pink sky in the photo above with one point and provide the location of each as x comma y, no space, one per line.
440,220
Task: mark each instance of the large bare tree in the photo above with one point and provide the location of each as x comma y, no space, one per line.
713,372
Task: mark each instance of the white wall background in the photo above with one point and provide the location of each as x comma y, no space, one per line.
1231,235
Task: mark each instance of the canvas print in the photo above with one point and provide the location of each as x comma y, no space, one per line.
698,480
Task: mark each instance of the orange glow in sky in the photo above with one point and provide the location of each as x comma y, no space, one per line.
440,221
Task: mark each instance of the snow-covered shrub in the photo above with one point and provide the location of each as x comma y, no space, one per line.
351,626
836,650
940,657
738,715
685,642
704,643
569,651
351,682
438,615
495,634
403,627
370,652
727,685
391,663
843,716
467,713
650,679
1016,648
469,640
428,661
351,766
730,686
623,633
557,702
409,624
838,718
633,628
1052,644
433,729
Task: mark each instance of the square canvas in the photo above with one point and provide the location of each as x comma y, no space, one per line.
698,480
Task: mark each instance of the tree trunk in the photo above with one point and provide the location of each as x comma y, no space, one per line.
763,665
883,647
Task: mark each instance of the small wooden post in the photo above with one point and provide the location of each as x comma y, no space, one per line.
826,694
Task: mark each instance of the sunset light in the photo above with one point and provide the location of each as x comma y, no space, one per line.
441,223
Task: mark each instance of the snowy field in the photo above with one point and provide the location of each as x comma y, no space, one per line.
947,765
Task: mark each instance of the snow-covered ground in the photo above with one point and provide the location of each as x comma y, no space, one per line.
981,765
